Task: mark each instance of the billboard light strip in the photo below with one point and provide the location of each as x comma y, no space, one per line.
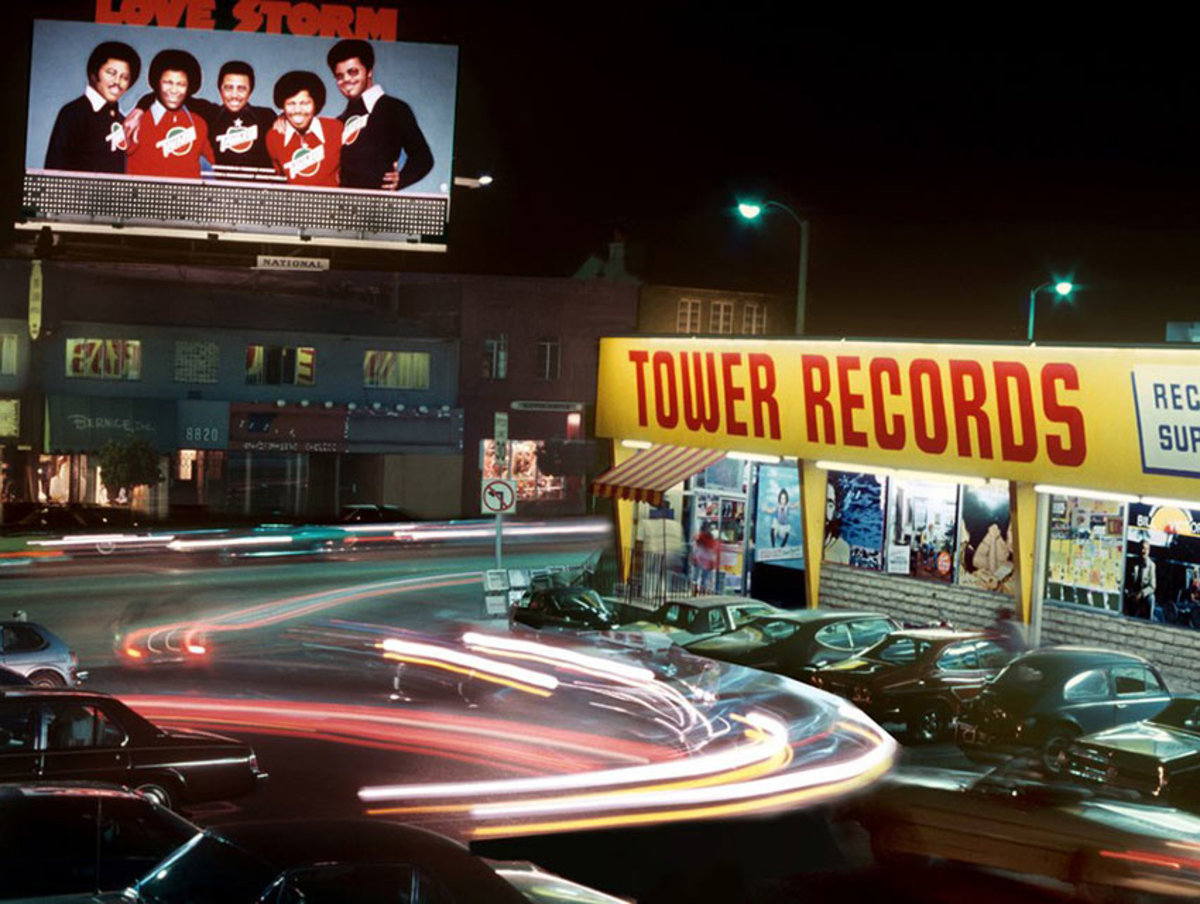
855,469
1177,503
636,444
940,478
1085,494
754,456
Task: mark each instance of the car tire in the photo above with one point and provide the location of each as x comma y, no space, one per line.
158,792
47,678
928,722
1055,742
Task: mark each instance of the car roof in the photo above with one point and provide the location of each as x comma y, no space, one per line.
709,602
70,693
947,634
1074,656
291,842
817,615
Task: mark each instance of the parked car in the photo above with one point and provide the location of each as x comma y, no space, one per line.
1158,757
919,677
702,616
60,735
370,513
793,643
1047,697
37,653
331,860
1066,833
81,839
563,607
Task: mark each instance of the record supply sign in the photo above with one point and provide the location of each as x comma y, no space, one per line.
1117,418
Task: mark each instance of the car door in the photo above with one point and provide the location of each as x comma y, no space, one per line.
18,740
1088,700
1138,693
24,648
81,741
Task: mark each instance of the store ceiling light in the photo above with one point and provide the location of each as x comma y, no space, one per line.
754,456
636,444
1176,503
854,469
917,476
1051,490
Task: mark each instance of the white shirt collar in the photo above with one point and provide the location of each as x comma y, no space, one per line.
96,99
314,129
371,97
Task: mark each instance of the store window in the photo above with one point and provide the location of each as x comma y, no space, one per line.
854,509
396,369
922,529
754,319
104,359
549,358
985,539
8,354
1162,564
719,495
525,467
196,362
275,365
778,538
495,357
721,317
687,316
1084,556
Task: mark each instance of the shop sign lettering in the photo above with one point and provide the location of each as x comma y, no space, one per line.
1167,400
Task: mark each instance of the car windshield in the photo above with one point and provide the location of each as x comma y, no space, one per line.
207,868
1183,713
899,649
581,601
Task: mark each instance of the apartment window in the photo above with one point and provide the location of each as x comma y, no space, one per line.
104,359
396,370
549,358
8,354
721,319
196,362
687,316
495,357
754,319
276,365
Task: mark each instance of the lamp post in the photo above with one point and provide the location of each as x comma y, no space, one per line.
752,211
1062,288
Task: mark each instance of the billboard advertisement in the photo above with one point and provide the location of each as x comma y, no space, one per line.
240,135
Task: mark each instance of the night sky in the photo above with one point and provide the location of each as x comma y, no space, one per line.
947,165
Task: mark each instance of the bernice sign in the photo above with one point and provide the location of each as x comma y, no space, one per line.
1125,419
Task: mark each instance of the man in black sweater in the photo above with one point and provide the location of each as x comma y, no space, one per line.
88,134
380,131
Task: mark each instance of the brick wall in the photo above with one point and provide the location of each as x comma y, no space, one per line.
1176,651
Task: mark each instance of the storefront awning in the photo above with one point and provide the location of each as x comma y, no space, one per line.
650,473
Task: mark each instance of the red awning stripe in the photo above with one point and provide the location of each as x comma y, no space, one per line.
650,473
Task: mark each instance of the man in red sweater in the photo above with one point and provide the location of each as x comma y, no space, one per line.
309,151
170,140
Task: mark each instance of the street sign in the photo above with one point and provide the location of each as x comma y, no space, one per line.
500,436
498,496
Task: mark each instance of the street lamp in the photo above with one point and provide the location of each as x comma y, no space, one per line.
752,211
1062,288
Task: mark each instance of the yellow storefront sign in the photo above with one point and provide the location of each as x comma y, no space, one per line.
1123,419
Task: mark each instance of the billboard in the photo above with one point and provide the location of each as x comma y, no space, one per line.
249,136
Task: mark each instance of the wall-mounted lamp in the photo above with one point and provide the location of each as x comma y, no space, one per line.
281,402
328,404
399,406
424,409
304,403
350,406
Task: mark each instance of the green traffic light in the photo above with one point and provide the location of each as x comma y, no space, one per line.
750,211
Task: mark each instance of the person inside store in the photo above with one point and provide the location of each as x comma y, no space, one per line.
1140,587
383,147
169,139
309,150
88,134
837,550
1007,631
705,553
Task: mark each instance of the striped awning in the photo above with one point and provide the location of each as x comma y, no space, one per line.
651,472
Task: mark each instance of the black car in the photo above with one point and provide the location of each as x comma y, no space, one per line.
792,643
62,735
81,838
329,860
1157,757
370,513
563,607
1046,698
919,677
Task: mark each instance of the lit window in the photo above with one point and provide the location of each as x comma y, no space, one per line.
495,357
687,317
196,362
549,358
396,370
187,463
721,319
274,365
754,319
8,354
104,359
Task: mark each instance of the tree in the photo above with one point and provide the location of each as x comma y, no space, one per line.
124,466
